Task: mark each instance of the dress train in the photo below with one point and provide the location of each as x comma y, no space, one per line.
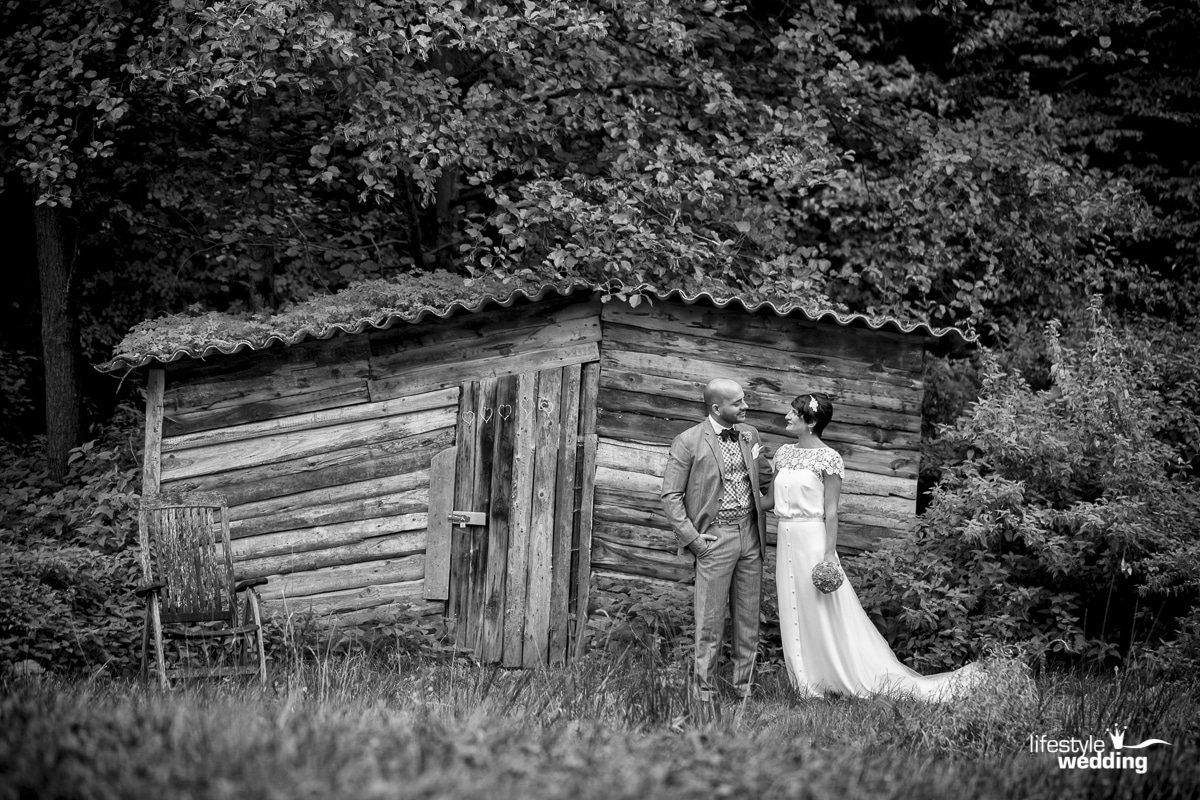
829,642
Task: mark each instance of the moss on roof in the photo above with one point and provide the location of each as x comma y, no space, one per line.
195,330
379,303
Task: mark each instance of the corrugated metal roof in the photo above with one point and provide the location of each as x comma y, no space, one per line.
388,320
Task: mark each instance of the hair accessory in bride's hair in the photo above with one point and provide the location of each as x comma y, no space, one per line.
813,405
827,577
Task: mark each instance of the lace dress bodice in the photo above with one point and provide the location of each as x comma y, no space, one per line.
800,479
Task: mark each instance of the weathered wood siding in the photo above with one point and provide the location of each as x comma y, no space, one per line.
332,453
325,450
655,361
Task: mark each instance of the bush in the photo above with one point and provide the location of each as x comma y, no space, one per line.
643,614
68,559
1169,352
17,371
1065,528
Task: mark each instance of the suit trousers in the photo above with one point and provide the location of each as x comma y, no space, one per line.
728,575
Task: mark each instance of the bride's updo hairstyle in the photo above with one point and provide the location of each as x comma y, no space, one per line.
815,410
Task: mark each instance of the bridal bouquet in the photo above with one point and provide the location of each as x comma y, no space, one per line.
827,577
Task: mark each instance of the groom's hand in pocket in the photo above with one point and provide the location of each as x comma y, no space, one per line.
701,544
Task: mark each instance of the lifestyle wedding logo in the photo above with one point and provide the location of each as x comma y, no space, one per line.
1094,753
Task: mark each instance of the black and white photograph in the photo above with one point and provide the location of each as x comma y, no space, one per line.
600,399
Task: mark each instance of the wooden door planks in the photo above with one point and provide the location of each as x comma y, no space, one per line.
546,437
581,533
515,608
499,516
516,578
564,515
467,438
481,483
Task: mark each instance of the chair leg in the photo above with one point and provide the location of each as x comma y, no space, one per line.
144,672
159,656
246,640
252,600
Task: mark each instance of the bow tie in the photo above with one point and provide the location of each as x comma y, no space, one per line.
729,434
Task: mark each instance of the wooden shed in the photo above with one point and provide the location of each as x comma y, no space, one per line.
484,461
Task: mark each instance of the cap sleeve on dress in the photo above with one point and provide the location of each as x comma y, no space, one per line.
833,463
820,460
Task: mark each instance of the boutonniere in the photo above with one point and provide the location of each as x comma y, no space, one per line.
746,436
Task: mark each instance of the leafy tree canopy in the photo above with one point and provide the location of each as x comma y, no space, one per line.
986,164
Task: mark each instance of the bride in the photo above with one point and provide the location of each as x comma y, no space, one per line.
829,643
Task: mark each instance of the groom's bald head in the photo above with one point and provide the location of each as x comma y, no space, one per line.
725,402
719,390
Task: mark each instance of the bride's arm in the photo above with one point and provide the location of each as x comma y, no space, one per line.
833,493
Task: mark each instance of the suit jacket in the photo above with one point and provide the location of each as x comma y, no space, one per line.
693,481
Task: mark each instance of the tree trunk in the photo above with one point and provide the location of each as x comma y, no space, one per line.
60,339
262,203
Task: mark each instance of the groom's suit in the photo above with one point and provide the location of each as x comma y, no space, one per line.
729,571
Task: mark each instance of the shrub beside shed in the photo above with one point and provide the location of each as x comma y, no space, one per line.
485,461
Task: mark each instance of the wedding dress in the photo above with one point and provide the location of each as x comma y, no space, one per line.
829,642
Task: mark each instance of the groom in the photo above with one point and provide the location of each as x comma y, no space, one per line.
713,494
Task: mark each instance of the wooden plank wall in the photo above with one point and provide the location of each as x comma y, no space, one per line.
324,449
655,361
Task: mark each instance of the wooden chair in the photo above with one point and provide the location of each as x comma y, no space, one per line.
191,592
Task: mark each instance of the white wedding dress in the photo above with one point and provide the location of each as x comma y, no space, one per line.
829,642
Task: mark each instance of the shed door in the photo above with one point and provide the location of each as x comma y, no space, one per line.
519,461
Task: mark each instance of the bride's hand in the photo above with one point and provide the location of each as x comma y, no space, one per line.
757,450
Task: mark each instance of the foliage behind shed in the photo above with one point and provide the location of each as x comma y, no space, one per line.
485,462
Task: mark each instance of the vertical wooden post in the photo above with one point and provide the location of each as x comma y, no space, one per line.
152,452
564,515
488,422
467,439
541,522
151,482
583,573
582,545
499,521
522,502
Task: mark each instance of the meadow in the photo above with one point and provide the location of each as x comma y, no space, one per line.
385,723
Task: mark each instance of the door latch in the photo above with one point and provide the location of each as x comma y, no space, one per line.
464,518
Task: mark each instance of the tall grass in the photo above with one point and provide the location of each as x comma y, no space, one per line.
388,724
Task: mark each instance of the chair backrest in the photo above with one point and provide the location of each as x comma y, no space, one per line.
185,544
